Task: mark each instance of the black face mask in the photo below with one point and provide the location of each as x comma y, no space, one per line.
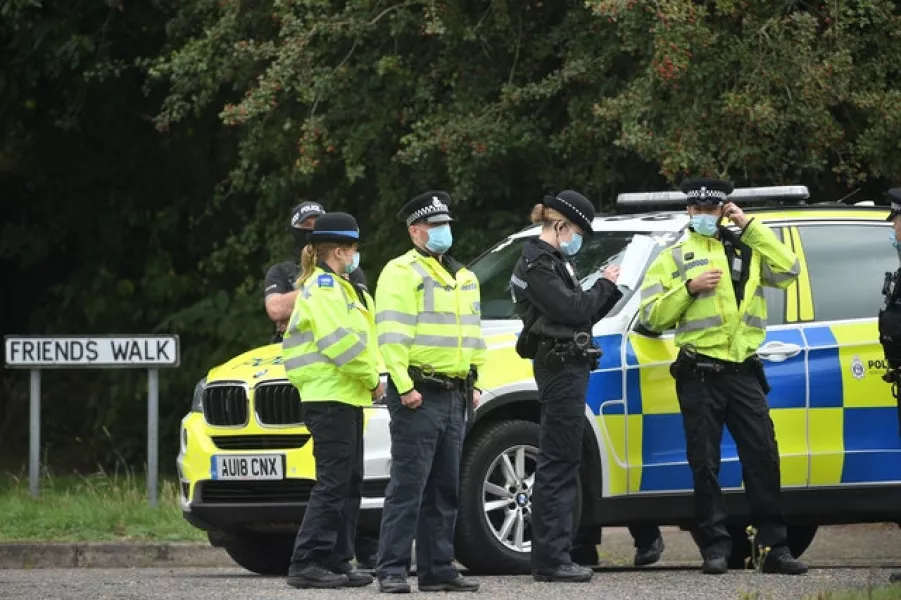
301,239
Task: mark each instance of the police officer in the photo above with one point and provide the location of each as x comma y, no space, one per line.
430,337
648,542
558,317
279,292
890,314
709,287
331,356
280,296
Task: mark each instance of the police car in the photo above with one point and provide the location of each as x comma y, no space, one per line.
246,464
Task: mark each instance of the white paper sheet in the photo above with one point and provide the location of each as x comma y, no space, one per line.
634,260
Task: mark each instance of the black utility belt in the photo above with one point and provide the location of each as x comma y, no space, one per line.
424,376
690,360
581,345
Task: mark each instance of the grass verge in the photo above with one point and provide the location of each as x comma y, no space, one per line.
91,508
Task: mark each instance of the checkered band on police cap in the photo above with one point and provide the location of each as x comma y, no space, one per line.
432,207
706,191
575,207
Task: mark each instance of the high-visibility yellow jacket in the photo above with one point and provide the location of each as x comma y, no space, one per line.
713,322
330,349
428,318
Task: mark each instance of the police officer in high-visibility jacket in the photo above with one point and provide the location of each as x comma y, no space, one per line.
331,357
709,288
430,337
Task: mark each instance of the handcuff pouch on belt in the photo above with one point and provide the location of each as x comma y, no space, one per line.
559,352
689,362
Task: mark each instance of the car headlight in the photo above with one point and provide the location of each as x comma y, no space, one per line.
197,401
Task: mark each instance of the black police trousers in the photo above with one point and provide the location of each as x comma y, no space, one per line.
561,393
421,499
326,535
735,398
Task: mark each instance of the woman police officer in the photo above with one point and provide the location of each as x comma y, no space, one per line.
557,320
331,356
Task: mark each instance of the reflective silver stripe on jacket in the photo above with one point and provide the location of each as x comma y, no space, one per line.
395,338
680,263
428,287
699,324
396,316
323,344
446,341
304,360
652,290
758,322
773,278
296,339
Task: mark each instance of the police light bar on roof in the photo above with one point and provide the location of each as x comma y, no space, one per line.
791,194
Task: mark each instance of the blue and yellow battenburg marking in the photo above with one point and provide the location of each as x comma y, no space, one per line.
849,433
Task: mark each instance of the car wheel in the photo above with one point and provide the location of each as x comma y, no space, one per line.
799,539
497,476
264,554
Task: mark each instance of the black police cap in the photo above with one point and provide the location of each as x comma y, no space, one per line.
430,207
337,227
304,211
894,196
575,207
706,192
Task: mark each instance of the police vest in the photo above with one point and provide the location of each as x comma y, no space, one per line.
714,322
428,318
330,350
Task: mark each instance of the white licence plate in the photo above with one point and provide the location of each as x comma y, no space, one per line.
247,467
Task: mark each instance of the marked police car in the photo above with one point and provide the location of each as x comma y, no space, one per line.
836,421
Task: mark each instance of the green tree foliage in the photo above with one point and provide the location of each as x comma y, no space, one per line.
154,150
760,91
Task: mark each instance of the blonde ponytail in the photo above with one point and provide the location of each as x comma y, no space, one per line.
307,264
546,217
311,255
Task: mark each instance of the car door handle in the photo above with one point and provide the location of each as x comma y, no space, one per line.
778,351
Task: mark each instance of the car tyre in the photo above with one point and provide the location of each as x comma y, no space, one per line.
477,545
263,554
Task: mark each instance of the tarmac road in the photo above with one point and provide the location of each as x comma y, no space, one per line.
841,557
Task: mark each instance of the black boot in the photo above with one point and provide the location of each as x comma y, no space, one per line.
457,584
354,578
314,576
564,573
394,584
780,560
715,564
648,555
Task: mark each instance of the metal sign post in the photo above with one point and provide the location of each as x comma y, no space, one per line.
94,352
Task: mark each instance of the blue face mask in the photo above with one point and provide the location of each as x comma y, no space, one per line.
440,239
573,246
353,264
895,243
704,224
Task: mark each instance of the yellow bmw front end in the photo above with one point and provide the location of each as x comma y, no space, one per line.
246,464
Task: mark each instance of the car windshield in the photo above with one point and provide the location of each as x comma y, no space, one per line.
495,266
